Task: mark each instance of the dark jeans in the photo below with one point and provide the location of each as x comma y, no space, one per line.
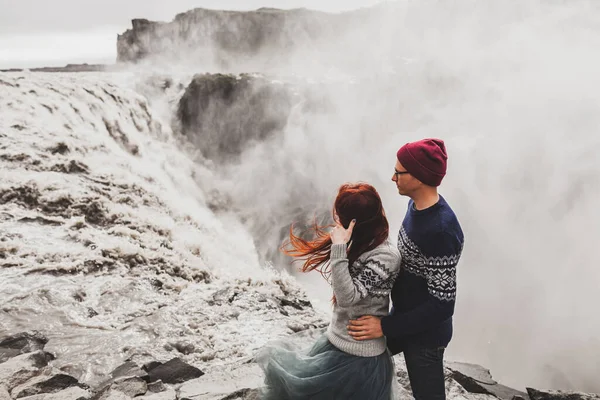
425,368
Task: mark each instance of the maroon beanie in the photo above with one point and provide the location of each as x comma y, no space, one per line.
425,160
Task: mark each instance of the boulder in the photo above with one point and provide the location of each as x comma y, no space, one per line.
72,393
22,368
239,380
174,371
476,379
151,365
128,386
535,394
157,387
128,369
21,343
45,385
131,386
243,394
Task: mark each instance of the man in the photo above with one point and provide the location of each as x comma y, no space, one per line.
430,242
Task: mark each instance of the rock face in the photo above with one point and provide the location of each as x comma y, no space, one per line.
221,114
232,35
227,117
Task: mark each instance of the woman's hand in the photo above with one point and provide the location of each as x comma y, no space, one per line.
340,235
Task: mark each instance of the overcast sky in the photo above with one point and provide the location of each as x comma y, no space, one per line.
55,32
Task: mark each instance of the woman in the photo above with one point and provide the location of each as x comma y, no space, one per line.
362,266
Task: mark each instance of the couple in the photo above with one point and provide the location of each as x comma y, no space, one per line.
353,360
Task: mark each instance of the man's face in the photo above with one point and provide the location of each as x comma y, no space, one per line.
405,182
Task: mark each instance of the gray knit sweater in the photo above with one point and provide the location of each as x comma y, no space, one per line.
361,289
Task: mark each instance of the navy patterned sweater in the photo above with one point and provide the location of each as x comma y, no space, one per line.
430,243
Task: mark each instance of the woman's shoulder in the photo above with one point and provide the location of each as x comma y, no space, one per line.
386,252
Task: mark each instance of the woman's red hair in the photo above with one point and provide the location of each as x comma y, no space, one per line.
359,201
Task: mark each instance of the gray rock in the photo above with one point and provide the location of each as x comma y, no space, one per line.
226,295
169,394
21,343
132,386
156,387
239,380
476,379
22,368
128,369
19,378
48,385
72,393
174,371
184,348
128,386
151,365
25,341
535,394
298,304
454,391
243,394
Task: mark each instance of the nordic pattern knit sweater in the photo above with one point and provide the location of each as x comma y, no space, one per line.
430,242
362,288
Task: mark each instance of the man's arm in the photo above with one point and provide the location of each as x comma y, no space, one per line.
427,316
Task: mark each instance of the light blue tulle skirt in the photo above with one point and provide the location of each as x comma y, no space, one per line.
323,373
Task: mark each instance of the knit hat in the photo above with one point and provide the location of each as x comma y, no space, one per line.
425,160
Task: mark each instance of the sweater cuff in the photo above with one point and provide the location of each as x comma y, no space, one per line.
338,251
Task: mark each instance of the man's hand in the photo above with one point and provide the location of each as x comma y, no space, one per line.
365,328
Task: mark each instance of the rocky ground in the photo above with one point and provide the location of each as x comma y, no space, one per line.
27,372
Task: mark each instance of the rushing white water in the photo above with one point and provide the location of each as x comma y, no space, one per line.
511,87
107,245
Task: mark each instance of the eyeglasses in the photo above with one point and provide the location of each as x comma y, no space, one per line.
396,173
